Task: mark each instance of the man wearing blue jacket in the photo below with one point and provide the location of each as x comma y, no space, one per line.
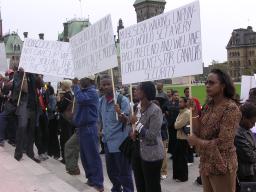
115,130
85,119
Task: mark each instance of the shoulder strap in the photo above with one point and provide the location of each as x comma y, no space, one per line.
119,100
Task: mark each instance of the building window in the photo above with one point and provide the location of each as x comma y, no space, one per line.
249,62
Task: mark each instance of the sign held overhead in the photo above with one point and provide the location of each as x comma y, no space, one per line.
166,46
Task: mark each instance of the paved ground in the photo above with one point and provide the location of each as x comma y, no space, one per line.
50,176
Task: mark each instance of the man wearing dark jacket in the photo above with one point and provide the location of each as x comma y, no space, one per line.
85,120
26,113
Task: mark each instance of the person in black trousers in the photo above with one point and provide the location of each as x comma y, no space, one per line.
64,106
54,145
149,151
180,157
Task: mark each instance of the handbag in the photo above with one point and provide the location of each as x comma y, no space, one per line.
127,148
246,187
186,129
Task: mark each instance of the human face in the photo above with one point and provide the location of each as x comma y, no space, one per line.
186,93
175,97
159,87
139,93
182,103
169,94
107,88
213,86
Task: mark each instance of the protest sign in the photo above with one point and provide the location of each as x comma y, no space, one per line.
3,60
49,78
247,83
162,47
93,49
47,58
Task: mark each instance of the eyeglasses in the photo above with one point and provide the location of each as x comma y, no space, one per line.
210,82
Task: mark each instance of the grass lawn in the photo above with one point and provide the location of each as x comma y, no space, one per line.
198,91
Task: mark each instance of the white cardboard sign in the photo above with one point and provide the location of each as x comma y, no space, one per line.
47,57
3,60
93,49
163,47
247,83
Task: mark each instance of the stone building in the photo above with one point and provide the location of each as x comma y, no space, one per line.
241,53
146,9
73,27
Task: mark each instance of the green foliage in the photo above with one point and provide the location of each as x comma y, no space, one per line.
198,91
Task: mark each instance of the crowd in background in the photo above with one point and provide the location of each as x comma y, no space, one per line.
79,118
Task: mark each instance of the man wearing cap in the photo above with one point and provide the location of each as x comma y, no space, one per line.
85,119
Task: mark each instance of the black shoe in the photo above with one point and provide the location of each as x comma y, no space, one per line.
102,152
62,161
2,144
89,183
12,143
36,160
17,157
198,180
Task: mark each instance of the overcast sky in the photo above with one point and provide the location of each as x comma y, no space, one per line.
218,18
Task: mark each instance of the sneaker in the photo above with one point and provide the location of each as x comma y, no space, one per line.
189,164
163,177
41,157
45,156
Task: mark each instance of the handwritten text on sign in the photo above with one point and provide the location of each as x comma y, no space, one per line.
47,58
165,46
93,49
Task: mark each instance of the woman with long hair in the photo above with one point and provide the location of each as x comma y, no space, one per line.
214,133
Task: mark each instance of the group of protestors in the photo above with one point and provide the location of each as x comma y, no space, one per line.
80,116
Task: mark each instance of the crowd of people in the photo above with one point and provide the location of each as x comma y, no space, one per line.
80,117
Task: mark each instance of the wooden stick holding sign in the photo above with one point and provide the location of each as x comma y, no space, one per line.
190,96
131,97
114,92
73,105
22,82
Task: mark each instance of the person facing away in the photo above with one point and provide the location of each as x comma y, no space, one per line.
115,131
246,144
85,120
